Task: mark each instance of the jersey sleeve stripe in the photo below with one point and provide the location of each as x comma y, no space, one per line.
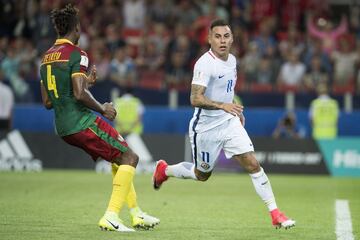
211,55
78,73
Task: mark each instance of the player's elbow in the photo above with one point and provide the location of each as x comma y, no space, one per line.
194,100
78,95
48,105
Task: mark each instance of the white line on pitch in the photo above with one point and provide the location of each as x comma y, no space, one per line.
343,226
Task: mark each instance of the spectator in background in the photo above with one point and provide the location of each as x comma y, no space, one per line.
291,41
101,60
109,14
291,13
134,13
6,105
184,12
150,57
4,44
201,25
239,46
26,53
177,72
328,34
261,10
287,127
43,34
122,69
324,115
250,61
357,87
355,20
129,113
11,66
8,18
112,38
160,11
315,75
345,61
264,40
241,13
207,6
314,49
160,37
181,42
291,72
265,73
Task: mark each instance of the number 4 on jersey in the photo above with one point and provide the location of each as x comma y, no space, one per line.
51,83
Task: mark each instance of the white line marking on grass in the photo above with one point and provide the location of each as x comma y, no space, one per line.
343,228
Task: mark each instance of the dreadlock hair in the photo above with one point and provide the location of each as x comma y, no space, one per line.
65,19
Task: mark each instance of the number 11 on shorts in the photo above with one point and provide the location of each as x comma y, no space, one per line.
205,156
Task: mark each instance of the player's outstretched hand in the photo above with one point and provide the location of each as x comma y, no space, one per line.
233,108
109,111
92,76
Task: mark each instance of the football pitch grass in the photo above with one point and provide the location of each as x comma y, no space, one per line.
68,204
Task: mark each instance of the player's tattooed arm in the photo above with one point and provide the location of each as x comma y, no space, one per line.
198,99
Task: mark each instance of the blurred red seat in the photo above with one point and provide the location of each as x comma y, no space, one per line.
261,87
152,79
342,89
287,88
346,88
240,82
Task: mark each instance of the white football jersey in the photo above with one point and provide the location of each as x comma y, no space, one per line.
219,77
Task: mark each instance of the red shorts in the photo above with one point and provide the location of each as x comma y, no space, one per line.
99,140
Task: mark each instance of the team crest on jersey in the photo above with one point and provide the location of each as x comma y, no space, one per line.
120,138
84,61
205,166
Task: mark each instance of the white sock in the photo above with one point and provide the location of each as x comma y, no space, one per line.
263,188
181,170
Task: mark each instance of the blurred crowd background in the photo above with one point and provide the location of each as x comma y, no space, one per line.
281,45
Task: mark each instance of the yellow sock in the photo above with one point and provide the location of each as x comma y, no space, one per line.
131,199
121,185
114,168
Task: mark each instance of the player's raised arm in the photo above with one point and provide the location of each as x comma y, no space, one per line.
198,99
83,95
45,97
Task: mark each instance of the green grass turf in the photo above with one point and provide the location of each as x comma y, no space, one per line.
68,204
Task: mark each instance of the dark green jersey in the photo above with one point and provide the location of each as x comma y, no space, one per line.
59,64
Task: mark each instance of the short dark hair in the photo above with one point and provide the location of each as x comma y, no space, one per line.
65,19
219,22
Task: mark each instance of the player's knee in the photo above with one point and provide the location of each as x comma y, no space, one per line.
128,158
134,159
253,166
203,177
249,163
